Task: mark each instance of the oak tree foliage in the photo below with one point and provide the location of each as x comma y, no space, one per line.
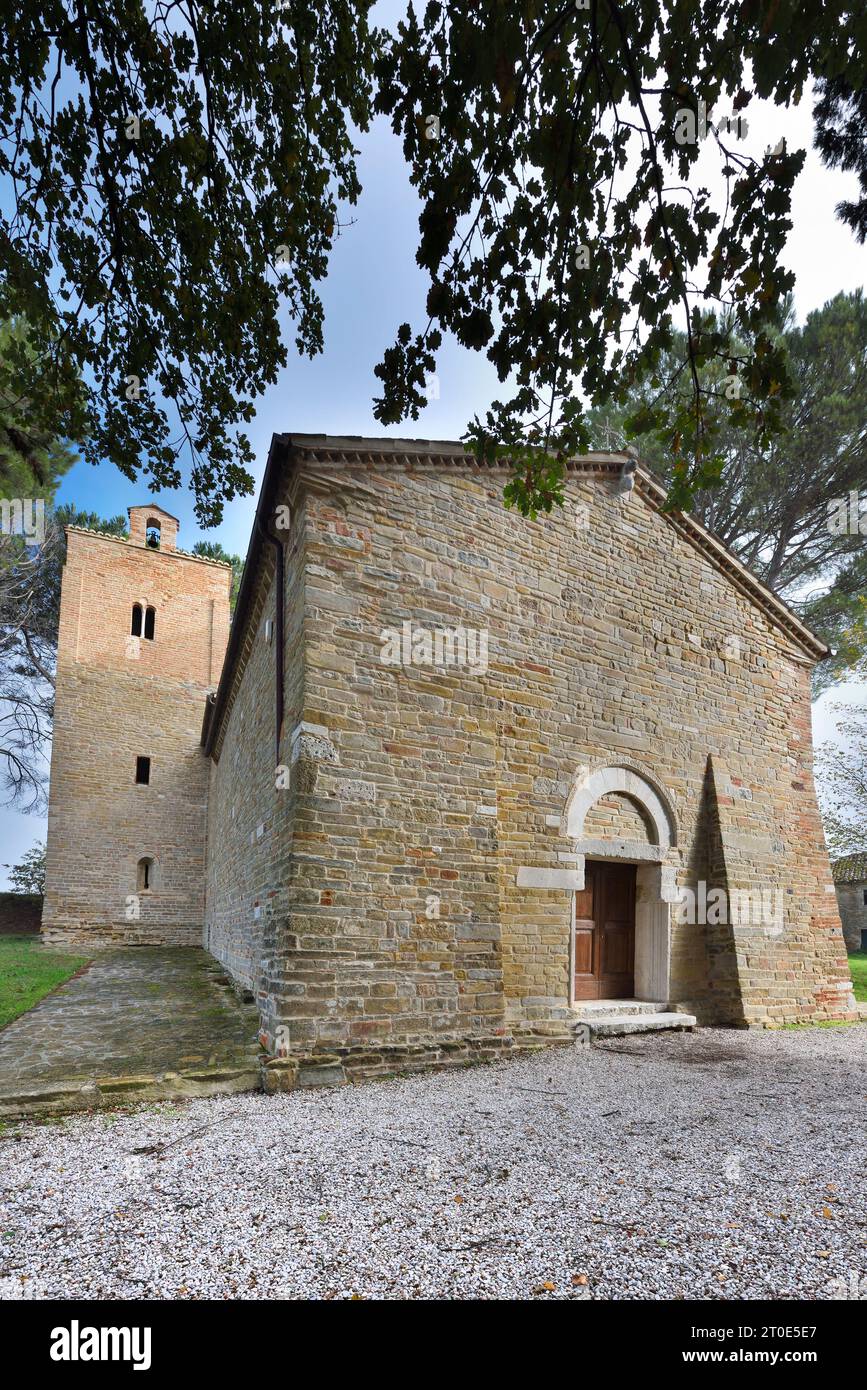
172,174
564,229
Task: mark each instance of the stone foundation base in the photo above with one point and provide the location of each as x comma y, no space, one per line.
803,1021
112,1092
80,936
348,1064
550,1017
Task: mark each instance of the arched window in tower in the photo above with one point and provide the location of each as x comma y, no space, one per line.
145,876
149,622
135,630
152,533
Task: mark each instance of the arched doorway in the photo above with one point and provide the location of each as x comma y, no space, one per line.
624,835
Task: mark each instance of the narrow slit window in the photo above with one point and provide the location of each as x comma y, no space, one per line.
143,770
136,620
149,623
145,879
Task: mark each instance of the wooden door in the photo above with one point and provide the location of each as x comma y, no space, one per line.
605,932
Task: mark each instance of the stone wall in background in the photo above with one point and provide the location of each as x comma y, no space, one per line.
853,913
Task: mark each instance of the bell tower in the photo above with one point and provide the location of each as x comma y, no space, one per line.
143,632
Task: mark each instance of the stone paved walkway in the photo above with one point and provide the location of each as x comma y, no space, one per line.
138,1023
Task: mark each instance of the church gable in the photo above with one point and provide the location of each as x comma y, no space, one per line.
344,475
339,459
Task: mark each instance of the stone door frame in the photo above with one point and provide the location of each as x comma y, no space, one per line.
656,869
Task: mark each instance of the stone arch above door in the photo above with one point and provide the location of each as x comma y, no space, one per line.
656,854
619,778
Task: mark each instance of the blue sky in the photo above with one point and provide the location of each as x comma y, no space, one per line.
374,285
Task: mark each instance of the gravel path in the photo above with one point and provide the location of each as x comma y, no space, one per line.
714,1165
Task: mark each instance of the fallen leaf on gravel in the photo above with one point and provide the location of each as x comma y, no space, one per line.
827,1212
580,1279
458,1197
547,1287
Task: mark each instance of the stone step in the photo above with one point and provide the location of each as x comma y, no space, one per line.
588,1009
618,1025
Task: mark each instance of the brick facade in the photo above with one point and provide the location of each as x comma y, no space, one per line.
120,697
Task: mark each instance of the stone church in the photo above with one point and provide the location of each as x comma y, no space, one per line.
451,779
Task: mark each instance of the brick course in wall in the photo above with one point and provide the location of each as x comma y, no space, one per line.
405,882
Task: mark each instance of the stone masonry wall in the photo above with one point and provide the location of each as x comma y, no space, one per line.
615,640
250,818
853,912
119,697
617,817
349,949
618,642
396,806
418,791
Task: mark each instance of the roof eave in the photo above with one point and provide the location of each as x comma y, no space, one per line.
277,454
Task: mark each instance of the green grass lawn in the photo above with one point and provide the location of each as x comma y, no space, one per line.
858,966
27,972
